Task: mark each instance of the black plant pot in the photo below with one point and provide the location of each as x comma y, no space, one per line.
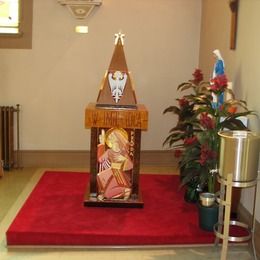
208,216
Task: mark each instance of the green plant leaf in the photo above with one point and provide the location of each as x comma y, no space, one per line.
172,109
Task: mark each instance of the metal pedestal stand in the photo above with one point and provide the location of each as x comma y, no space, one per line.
221,229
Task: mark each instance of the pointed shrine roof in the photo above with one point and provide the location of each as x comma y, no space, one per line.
117,89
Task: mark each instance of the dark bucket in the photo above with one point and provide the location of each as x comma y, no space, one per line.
208,216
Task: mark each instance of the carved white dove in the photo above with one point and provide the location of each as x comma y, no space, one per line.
117,82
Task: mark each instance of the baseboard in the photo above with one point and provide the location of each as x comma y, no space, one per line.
246,217
43,158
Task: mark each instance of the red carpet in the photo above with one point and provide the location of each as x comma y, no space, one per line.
54,215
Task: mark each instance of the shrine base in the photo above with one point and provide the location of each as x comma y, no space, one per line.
94,202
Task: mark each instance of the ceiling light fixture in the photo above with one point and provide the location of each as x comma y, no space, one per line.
80,9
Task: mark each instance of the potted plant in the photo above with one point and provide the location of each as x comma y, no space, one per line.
194,138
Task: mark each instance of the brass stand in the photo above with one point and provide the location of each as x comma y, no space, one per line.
221,229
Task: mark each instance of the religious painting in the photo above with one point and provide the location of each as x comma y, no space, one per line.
115,153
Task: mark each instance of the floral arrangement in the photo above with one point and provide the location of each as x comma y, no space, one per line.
195,138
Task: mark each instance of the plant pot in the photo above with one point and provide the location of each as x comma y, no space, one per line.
208,216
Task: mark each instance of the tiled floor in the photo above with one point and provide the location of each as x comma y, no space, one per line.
15,187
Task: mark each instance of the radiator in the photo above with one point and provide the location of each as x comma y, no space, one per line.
7,133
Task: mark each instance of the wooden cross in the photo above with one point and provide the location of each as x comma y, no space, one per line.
233,5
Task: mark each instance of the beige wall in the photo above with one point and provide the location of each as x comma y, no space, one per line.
242,64
62,73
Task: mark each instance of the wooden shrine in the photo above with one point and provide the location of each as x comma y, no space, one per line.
116,122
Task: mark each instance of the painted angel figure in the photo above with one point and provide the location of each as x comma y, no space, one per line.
114,162
117,82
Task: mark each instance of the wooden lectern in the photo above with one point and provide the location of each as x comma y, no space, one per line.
116,122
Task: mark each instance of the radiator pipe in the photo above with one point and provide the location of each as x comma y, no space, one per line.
17,135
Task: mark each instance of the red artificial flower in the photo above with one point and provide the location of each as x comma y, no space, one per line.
206,155
177,153
183,102
206,121
232,110
197,76
219,83
189,141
